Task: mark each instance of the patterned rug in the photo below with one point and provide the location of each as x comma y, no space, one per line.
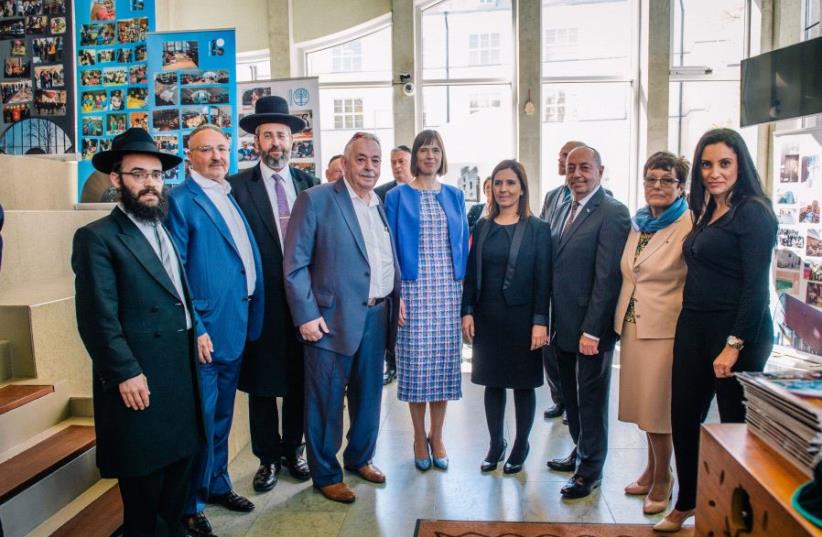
466,528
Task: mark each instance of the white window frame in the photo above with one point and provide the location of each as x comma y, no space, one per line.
484,49
349,116
347,57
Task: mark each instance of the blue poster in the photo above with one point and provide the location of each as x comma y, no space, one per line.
112,81
193,81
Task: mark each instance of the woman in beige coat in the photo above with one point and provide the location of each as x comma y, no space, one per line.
653,276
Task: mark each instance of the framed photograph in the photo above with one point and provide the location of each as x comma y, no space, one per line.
137,74
93,101
116,102
12,113
92,126
90,147
216,47
54,7
115,124
37,25
12,28
57,25
17,68
102,10
50,102
18,47
165,94
91,77
813,270
49,77
18,91
136,97
167,143
220,116
96,34
47,50
790,238
204,95
813,294
788,259
166,120
193,117
114,76
138,119
201,78
180,55
132,30
787,282
250,96
789,169
814,244
86,57
302,149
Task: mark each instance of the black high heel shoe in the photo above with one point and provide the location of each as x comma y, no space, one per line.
490,466
515,467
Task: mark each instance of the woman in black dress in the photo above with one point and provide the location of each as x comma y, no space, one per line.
505,309
725,324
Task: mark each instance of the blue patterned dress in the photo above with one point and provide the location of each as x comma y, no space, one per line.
429,346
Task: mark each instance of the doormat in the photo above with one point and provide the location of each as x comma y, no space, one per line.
469,528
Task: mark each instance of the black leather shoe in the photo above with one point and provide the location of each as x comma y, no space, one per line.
554,412
490,464
296,463
579,487
513,467
568,464
233,502
197,525
389,376
266,477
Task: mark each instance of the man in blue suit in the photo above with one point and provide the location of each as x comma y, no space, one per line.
223,267
342,282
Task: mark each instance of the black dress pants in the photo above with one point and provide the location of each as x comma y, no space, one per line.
267,443
585,382
700,337
549,363
153,504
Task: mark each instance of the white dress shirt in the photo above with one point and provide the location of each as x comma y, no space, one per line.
173,271
217,192
377,244
290,193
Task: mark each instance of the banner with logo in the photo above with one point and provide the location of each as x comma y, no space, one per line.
37,83
192,79
112,81
302,95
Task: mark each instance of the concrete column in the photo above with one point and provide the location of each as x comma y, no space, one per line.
279,37
655,61
402,61
528,127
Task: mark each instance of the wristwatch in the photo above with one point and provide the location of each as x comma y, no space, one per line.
735,343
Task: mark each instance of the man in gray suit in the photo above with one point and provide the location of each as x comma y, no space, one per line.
556,205
342,282
587,251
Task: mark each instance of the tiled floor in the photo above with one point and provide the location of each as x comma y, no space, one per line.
463,492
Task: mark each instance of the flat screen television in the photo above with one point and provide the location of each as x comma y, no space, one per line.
782,84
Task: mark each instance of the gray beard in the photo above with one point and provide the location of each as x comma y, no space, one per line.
273,162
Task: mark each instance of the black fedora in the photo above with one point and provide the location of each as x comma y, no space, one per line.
271,109
134,140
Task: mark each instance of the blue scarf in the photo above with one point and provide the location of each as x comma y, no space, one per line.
644,222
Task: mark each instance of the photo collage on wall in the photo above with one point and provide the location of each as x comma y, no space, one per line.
192,82
797,201
37,77
297,92
112,85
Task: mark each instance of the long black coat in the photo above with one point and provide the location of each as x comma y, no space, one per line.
273,364
132,321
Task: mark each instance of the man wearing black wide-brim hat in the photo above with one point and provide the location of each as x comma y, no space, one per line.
135,318
273,364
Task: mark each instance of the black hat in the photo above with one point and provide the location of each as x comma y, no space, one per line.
272,109
134,140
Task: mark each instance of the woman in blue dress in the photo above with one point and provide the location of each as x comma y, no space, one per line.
428,222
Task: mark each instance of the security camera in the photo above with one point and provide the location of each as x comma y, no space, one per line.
408,89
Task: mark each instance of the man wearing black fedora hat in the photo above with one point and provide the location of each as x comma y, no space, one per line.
135,317
273,364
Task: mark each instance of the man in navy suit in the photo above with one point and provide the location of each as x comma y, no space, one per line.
342,281
224,270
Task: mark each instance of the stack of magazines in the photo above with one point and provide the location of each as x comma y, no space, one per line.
785,410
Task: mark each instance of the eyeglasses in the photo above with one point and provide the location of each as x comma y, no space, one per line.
206,149
141,176
666,182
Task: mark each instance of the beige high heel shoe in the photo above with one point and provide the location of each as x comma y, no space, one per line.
667,525
635,489
652,507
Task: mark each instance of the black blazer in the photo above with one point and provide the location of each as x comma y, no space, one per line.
528,271
132,321
272,365
587,278
382,190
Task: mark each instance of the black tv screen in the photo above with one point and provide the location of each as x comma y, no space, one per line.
782,84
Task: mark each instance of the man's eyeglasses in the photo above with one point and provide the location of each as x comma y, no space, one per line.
141,176
206,149
666,182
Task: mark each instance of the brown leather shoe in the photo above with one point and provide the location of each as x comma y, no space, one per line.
369,472
338,492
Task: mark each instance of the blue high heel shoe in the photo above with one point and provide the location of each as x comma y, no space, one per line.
423,465
439,462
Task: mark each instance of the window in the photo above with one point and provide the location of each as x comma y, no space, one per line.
483,101
483,49
253,65
347,58
555,106
348,114
560,43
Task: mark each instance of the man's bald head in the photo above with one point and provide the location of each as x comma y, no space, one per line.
569,146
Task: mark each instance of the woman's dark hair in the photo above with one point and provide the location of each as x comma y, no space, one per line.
747,186
426,137
665,160
523,210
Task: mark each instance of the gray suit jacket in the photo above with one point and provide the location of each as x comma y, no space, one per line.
326,268
587,277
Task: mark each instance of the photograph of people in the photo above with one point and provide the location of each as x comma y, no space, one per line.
505,310
653,275
725,325
427,219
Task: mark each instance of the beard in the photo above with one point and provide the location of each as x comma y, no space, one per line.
273,162
145,213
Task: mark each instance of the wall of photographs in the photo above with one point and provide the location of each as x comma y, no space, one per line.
798,267
302,95
37,77
112,81
193,81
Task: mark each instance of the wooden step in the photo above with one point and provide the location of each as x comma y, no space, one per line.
101,518
28,467
16,395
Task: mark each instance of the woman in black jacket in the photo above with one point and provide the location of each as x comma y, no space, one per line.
725,325
505,309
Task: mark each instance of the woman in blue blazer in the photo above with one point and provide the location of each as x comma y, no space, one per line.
427,219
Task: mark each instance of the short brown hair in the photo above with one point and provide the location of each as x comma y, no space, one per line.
523,209
426,137
665,160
